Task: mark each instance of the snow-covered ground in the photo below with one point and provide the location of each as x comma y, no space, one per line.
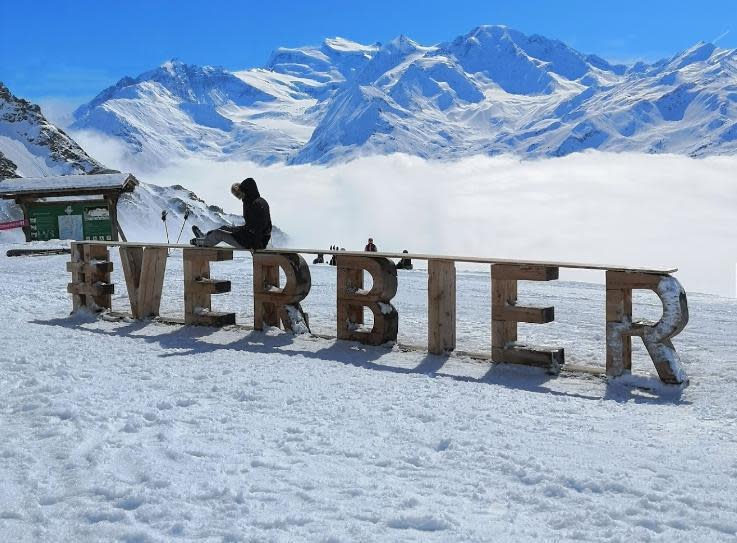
135,431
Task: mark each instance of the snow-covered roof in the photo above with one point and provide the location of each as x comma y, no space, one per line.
67,184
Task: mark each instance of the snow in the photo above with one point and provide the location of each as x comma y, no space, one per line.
137,431
493,90
65,182
20,154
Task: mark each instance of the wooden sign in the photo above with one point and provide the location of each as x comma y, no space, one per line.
655,335
275,305
352,298
271,303
505,314
90,267
199,287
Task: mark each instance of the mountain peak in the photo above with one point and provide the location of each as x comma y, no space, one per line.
172,65
401,44
699,52
344,45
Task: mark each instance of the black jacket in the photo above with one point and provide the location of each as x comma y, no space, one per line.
256,233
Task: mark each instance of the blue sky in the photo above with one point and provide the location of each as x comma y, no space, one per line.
69,51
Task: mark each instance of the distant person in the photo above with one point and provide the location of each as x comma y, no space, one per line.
254,234
405,263
370,247
332,257
319,259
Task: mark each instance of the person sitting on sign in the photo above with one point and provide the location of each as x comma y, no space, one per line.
405,263
254,234
370,247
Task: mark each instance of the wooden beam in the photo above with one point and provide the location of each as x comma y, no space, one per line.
131,258
95,290
198,287
214,286
151,283
550,358
441,306
533,315
94,267
469,259
524,272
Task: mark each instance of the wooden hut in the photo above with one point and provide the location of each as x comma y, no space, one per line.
76,207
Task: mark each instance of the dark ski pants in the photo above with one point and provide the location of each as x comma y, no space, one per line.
223,234
229,235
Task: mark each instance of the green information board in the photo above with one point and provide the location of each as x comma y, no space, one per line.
70,220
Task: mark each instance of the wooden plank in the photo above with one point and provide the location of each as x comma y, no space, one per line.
550,358
618,304
524,272
503,333
131,258
631,280
441,306
265,277
533,315
214,318
215,254
151,283
503,293
98,253
95,289
195,267
417,256
213,286
95,267
77,255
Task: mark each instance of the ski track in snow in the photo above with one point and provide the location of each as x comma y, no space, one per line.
130,431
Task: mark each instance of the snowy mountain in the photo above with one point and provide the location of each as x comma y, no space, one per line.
30,146
493,90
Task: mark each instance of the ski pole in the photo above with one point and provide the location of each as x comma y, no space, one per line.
186,216
166,228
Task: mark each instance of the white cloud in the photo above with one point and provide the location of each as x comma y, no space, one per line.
631,209
107,150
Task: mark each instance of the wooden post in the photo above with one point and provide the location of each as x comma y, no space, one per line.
352,298
505,314
273,304
441,306
27,228
655,335
112,200
199,287
144,270
90,267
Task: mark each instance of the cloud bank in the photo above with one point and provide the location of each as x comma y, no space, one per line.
618,208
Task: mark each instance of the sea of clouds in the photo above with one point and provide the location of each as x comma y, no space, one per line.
614,208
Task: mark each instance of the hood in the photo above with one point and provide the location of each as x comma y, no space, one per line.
249,189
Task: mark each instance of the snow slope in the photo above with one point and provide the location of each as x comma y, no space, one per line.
30,146
144,432
494,90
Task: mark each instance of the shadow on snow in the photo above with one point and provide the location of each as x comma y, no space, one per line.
191,341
